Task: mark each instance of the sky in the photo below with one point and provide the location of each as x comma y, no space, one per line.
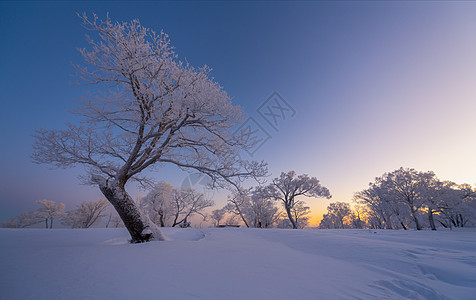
369,87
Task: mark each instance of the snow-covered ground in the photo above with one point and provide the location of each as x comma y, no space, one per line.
238,263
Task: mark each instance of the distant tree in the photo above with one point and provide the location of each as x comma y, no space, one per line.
336,215
157,204
169,206
358,217
300,214
217,215
50,210
405,196
397,197
232,220
376,207
255,207
263,211
146,109
87,214
238,204
186,203
23,220
458,207
406,186
437,195
288,186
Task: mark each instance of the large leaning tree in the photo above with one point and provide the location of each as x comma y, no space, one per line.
146,108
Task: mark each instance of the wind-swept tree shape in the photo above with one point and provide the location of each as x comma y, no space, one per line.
147,108
288,186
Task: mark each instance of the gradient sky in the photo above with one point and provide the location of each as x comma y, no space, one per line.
375,86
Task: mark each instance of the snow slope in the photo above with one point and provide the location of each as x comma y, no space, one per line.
229,263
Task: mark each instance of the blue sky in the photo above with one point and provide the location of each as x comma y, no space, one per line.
375,85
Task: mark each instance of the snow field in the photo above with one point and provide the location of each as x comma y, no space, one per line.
238,263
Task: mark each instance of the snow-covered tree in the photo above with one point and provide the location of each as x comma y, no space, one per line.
186,203
87,214
437,195
262,209
157,204
397,197
337,215
407,186
256,207
376,208
50,210
458,209
238,204
217,215
358,217
288,186
233,220
300,214
384,210
405,197
169,206
146,109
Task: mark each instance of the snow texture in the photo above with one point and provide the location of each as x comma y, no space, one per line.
238,263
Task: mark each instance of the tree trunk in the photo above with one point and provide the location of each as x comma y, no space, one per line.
175,220
51,223
46,223
417,223
108,220
443,224
403,225
241,215
161,220
431,219
290,216
415,218
116,194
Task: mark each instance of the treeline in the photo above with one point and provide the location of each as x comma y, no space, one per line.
278,204
403,199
